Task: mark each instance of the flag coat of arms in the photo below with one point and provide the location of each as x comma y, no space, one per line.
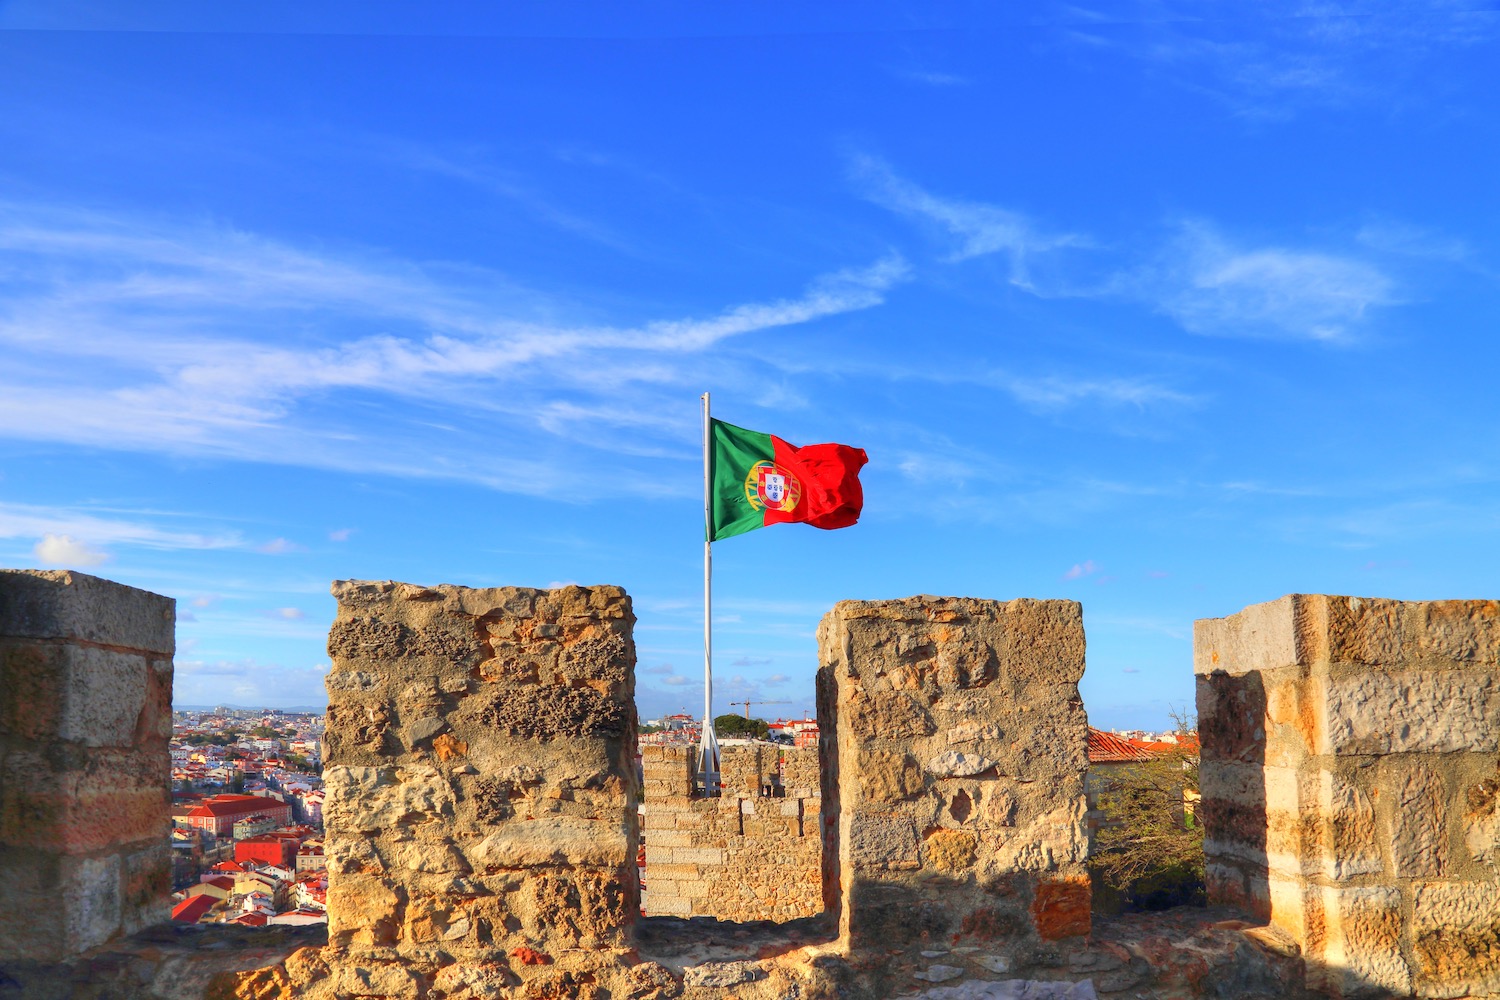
759,479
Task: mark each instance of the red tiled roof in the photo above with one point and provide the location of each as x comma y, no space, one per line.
252,919
1187,744
191,909
1107,748
234,805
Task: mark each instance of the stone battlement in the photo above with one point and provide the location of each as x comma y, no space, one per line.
483,814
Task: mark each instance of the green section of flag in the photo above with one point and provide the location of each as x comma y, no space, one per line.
733,452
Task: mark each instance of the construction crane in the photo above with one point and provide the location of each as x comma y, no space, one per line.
747,704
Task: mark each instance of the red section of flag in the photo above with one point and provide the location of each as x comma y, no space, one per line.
829,475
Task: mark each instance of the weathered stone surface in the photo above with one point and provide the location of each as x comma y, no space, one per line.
480,790
1411,711
938,973
957,734
1456,938
1419,838
68,605
1350,848
1351,739
85,714
1013,989
722,974
953,764
1482,820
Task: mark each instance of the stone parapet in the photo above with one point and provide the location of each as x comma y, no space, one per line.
481,787
954,741
667,771
85,775
1350,778
743,856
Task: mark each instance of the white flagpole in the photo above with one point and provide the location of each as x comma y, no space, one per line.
708,744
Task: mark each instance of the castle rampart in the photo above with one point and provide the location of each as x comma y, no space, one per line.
754,852
85,800
1350,779
482,812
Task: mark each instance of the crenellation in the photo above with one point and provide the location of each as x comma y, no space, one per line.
484,808
480,778
1342,739
85,805
935,707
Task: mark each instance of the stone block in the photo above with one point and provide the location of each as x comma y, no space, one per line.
1355,939
1261,637
80,694
1349,846
1456,938
65,604
1413,711
1348,739
1419,834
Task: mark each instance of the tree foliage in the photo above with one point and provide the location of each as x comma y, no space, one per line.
738,725
297,762
1151,837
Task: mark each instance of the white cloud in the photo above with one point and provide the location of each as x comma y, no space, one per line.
1079,570
72,523
1273,59
341,535
278,546
290,614
980,228
1211,287
133,334
65,550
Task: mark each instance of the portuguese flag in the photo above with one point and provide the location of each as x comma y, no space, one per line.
758,479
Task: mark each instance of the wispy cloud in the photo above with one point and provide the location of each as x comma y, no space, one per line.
79,534
1212,287
1080,570
1271,60
1208,283
979,228
933,78
137,334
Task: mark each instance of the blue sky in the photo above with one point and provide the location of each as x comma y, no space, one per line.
1167,308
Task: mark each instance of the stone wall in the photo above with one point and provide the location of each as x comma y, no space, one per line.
954,739
744,856
85,801
481,789
1350,778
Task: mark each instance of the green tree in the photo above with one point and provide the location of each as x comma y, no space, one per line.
738,725
297,762
1150,846
264,733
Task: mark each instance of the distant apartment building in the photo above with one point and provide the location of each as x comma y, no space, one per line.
310,857
254,826
220,813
